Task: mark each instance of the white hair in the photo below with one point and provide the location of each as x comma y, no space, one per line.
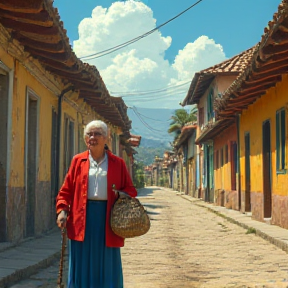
96,124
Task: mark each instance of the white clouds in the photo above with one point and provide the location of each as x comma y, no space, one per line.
141,66
196,56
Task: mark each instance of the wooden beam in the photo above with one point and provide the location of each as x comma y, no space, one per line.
27,6
259,83
37,37
263,76
277,58
251,89
41,18
246,100
51,48
60,66
227,117
65,58
73,77
91,91
26,27
247,96
280,36
264,68
274,49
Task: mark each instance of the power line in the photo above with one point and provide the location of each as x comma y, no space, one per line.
120,46
167,96
163,121
145,123
126,94
152,97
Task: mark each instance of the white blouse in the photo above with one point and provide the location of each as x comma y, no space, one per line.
97,185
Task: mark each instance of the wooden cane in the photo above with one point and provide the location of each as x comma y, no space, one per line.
63,246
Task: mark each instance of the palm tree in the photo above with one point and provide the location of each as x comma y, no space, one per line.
180,118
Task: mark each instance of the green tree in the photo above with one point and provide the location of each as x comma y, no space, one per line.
146,155
180,118
138,174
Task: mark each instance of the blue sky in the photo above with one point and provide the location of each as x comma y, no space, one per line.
159,68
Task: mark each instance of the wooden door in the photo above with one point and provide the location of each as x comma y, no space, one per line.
267,200
247,174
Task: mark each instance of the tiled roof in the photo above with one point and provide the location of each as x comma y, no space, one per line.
267,65
186,132
134,140
36,25
202,79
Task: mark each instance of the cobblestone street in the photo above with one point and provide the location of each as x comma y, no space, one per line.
188,246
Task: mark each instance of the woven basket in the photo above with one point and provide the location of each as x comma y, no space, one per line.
129,218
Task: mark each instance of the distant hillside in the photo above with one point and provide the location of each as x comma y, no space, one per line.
150,148
146,155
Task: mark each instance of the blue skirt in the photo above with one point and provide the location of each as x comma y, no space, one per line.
91,263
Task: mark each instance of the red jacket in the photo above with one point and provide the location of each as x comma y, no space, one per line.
72,196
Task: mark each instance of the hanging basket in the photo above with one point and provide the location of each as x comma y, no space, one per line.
129,218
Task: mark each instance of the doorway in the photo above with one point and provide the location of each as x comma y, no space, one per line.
68,143
209,197
267,197
31,145
4,99
247,174
54,189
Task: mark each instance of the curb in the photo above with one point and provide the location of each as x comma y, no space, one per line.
278,243
26,272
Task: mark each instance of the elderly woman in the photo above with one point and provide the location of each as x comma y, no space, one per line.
83,206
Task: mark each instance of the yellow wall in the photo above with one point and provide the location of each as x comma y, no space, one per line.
22,80
18,198
251,121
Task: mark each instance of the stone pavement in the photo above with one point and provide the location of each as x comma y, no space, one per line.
274,234
21,261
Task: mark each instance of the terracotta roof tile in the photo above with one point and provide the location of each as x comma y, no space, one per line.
267,52
36,25
203,78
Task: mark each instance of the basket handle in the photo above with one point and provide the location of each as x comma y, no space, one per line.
120,193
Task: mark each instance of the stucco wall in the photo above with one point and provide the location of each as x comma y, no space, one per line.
16,202
223,174
224,195
251,121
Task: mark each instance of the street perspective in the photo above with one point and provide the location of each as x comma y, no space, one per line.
144,143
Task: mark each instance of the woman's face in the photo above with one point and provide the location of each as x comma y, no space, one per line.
95,139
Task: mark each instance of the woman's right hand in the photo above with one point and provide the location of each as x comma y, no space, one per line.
62,219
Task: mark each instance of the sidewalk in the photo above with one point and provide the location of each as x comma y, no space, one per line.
20,262
272,233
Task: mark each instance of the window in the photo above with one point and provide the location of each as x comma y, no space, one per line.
201,116
234,164
280,140
210,113
222,157
226,154
53,152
